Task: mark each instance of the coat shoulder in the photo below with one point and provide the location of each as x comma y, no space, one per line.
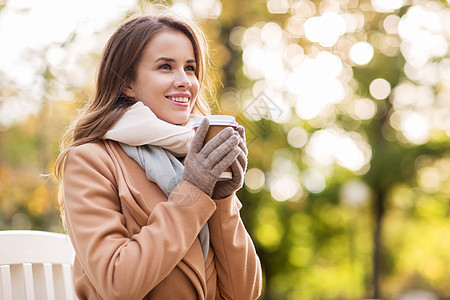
94,151
96,148
93,155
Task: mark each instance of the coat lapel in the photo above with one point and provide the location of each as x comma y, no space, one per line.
134,189
128,185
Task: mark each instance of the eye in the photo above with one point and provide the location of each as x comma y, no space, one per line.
165,67
190,68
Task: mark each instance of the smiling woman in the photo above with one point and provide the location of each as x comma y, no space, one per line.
142,200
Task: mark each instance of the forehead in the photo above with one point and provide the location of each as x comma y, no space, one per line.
169,43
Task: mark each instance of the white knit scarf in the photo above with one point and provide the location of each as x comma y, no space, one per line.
140,126
153,144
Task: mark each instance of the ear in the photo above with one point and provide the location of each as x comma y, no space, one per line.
129,91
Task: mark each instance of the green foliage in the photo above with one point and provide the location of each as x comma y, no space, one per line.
313,244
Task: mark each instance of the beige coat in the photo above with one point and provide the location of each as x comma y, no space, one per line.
132,242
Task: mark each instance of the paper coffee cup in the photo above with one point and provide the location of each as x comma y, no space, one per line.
216,124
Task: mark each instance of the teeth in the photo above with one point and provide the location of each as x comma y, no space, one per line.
180,99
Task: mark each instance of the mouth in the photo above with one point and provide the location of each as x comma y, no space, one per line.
183,101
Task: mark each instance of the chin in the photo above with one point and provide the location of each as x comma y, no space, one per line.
179,120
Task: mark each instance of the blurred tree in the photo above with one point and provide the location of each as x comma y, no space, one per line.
289,261
346,107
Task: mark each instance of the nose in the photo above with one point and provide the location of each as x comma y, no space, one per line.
182,80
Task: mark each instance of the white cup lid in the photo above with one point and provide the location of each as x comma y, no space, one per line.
218,120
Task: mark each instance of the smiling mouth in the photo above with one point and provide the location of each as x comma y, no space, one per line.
178,99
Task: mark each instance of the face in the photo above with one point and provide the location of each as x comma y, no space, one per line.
165,78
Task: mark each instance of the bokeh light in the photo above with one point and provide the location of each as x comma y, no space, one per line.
285,187
278,6
364,109
355,193
332,144
423,32
314,181
361,53
206,9
254,179
297,137
325,29
269,232
390,24
415,127
387,5
429,179
380,88
316,84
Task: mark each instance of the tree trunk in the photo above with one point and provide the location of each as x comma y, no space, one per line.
379,210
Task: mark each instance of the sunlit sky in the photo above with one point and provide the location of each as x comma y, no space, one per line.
27,26
312,82
31,34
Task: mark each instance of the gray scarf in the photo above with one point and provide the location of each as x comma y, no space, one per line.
166,171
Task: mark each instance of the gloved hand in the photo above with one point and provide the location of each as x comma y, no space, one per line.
225,188
203,166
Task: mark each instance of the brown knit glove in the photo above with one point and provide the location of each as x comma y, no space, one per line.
225,188
203,166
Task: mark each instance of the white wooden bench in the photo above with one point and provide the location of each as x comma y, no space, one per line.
35,265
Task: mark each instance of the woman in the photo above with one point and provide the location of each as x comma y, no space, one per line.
144,225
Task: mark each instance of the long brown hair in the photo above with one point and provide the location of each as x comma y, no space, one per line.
118,68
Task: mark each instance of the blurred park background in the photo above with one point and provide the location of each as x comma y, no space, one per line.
347,109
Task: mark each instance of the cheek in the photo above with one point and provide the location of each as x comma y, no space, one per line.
195,86
196,90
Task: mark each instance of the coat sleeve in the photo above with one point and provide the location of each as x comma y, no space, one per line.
118,265
238,266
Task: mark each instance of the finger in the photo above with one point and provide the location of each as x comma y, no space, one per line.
219,152
243,146
241,130
216,141
242,159
243,143
200,134
225,162
237,171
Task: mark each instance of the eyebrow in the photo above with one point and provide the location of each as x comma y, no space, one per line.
189,61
